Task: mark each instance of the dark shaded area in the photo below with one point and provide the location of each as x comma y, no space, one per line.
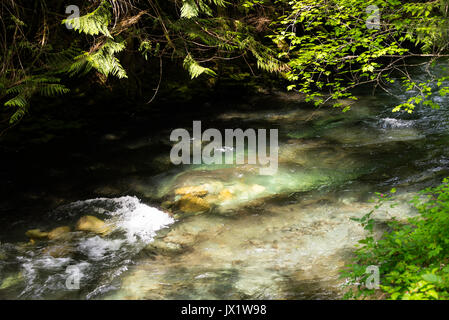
66,148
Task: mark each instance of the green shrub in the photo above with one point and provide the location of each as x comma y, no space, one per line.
412,257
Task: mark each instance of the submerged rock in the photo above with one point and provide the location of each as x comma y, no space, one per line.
225,195
166,204
198,191
192,204
164,247
56,233
92,224
59,233
257,188
181,237
11,281
58,251
36,234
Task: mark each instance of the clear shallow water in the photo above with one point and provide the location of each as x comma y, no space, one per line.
273,237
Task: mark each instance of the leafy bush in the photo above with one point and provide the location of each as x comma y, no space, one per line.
412,257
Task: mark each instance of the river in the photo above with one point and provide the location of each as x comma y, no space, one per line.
238,234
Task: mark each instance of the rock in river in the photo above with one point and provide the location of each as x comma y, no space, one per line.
59,233
92,224
193,204
36,234
198,191
58,251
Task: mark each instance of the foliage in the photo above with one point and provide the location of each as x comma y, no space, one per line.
323,48
413,257
194,33
331,50
93,23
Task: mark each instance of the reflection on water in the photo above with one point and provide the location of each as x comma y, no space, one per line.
226,232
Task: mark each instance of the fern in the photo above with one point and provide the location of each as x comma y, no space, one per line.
95,22
43,85
195,69
52,89
42,76
20,101
103,60
80,66
21,110
191,8
264,56
60,62
35,61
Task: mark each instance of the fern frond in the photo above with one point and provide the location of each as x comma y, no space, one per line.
43,84
195,69
19,101
95,22
20,112
16,89
60,62
52,90
265,58
81,66
103,60
189,9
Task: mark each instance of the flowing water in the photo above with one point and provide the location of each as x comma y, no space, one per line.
236,234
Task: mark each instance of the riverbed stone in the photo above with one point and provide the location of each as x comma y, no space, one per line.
36,234
198,191
59,233
11,280
166,204
256,188
58,251
225,195
164,247
92,224
193,204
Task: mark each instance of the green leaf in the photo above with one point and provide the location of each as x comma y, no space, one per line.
432,278
194,69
